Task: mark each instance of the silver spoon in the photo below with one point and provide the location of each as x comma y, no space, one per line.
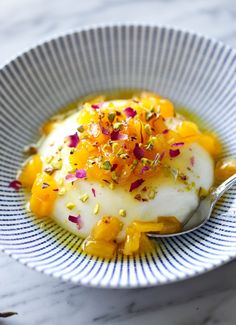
203,212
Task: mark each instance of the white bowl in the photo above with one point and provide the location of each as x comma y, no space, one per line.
191,70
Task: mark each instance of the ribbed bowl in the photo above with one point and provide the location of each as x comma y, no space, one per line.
190,70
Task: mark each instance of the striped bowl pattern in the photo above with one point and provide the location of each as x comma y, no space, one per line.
190,70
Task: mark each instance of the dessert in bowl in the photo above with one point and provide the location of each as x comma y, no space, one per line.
107,171
112,180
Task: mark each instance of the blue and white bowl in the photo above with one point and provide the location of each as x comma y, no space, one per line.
190,70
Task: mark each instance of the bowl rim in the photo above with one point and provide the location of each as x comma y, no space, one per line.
87,28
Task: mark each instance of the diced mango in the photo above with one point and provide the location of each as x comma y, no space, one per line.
30,171
148,226
210,143
171,225
87,115
107,229
40,207
166,108
225,168
187,129
131,244
43,195
145,244
79,157
99,248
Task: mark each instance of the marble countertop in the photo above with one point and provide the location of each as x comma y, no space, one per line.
206,300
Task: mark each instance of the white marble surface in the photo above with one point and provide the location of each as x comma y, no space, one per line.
205,300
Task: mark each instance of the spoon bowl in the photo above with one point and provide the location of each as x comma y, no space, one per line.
204,210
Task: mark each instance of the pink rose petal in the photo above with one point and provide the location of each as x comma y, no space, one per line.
96,106
80,173
192,161
94,192
138,152
76,220
73,140
130,112
136,184
177,144
116,135
144,169
174,153
15,184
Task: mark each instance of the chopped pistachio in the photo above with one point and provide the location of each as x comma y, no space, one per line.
60,148
62,191
49,170
49,159
72,169
146,162
124,156
114,175
115,147
147,129
112,186
84,197
60,181
149,115
80,128
96,208
117,126
107,165
70,205
57,164
111,116
151,194
122,213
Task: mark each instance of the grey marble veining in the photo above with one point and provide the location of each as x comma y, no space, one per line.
205,300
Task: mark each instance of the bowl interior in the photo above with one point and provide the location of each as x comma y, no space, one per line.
190,70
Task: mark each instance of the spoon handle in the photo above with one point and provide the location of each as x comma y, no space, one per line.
220,190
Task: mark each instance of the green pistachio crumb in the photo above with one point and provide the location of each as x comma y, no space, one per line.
70,205
62,191
122,213
84,197
111,116
107,165
96,208
117,126
80,128
151,194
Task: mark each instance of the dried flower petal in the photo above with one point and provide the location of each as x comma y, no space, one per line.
177,144
162,155
80,173
73,140
71,178
113,167
94,192
136,184
76,220
138,152
15,184
144,169
174,153
192,161
116,135
96,106
105,131
130,112
165,131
